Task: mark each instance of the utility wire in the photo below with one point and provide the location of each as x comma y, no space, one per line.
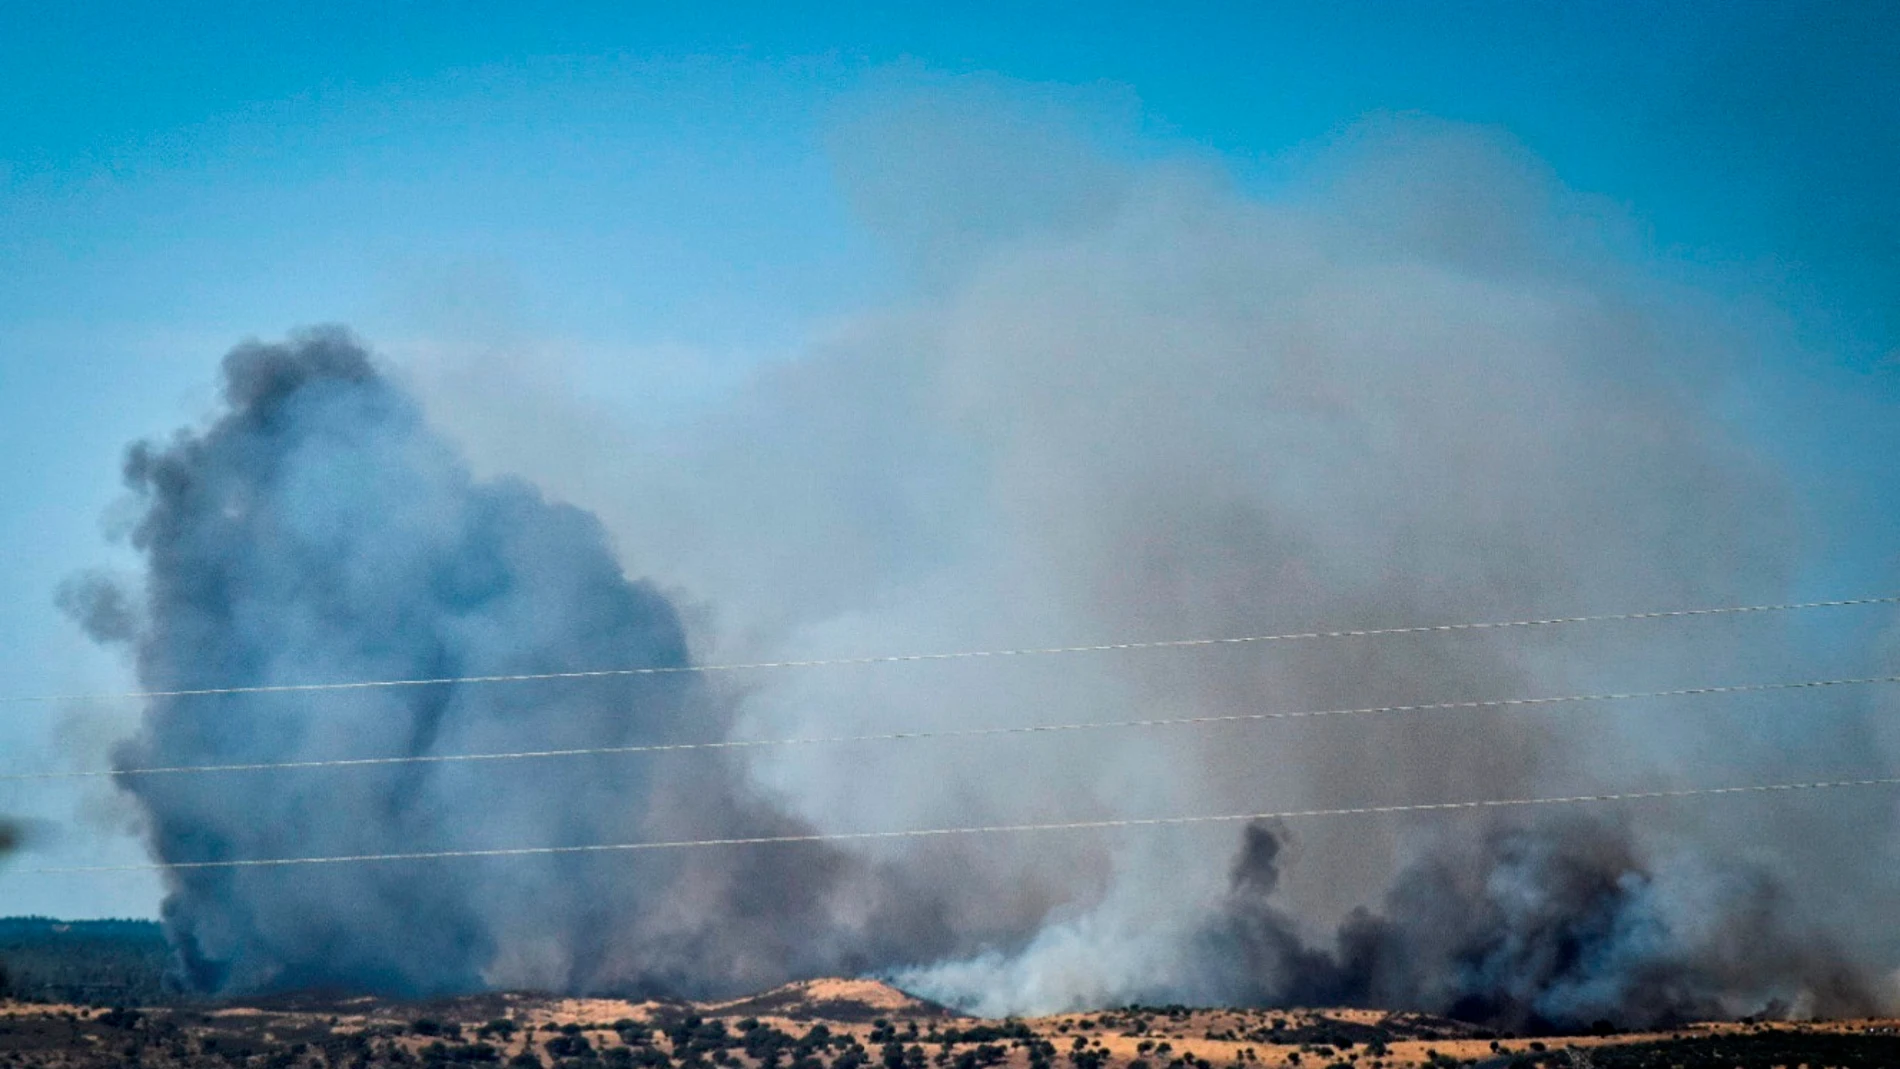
954,733
905,658
993,829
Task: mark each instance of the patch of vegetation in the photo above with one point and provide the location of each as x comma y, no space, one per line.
1769,1049
983,1033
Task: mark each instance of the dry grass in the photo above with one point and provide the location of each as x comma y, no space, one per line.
72,1036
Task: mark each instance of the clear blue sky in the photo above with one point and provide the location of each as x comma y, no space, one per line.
174,177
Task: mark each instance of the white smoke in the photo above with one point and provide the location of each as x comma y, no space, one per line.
1421,381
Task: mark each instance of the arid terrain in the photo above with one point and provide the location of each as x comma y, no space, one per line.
859,1024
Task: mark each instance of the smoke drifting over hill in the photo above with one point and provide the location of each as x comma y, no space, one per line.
1417,385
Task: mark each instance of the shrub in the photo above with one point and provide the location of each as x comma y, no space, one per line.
568,1045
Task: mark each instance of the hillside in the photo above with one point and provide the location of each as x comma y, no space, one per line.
858,1024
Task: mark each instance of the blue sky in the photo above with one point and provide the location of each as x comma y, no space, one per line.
661,180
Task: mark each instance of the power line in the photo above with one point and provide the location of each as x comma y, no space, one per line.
992,829
905,658
954,733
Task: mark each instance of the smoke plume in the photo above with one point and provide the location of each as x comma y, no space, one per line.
1420,382
1418,379
1556,926
319,530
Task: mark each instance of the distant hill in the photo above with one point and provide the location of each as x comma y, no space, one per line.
863,1024
831,1000
110,962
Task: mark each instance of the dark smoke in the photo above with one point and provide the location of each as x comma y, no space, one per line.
1426,385
101,607
318,529
1553,927
12,835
